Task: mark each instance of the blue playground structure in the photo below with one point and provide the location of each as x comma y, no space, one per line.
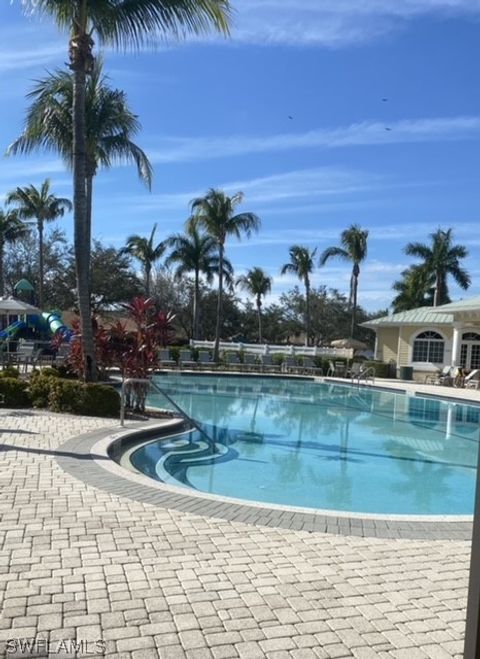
45,325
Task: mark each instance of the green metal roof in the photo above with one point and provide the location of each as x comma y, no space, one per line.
420,316
472,304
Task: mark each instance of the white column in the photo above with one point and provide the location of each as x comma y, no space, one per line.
456,343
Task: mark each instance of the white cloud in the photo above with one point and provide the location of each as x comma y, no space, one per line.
316,183
188,149
335,23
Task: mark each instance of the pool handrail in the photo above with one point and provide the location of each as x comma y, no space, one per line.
150,383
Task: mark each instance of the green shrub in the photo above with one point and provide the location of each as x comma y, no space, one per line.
174,352
9,372
75,397
100,400
65,396
15,392
40,386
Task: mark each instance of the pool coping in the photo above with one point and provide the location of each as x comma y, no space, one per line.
87,457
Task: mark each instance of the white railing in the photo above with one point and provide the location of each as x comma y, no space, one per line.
266,348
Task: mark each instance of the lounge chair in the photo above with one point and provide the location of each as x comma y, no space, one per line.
444,377
249,361
165,359
309,367
204,359
337,369
25,356
355,370
232,360
472,380
267,363
186,359
289,365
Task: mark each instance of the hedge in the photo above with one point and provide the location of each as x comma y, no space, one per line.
382,370
78,398
15,392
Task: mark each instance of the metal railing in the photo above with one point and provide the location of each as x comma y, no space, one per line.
155,386
368,375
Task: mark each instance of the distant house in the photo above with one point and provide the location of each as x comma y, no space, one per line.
429,338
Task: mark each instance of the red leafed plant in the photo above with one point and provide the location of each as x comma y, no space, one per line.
135,351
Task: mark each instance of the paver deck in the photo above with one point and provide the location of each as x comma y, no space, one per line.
80,564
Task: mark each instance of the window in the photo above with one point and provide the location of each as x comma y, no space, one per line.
428,347
470,336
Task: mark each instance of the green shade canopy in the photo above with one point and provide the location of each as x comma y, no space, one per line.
23,285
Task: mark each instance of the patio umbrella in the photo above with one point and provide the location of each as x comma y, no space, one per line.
349,344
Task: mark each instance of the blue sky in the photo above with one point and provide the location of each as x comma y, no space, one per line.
215,113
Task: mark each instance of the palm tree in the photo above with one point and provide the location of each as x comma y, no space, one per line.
415,289
197,253
441,259
122,23
144,250
353,249
258,284
301,264
109,126
11,230
42,206
215,214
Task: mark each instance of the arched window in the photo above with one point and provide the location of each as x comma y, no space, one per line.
470,336
428,347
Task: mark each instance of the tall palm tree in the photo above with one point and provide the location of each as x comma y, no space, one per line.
440,259
353,249
258,284
110,126
302,264
11,230
120,23
42,206
144,250
215,213
197,253
414,289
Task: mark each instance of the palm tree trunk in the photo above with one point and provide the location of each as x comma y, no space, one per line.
2,274
40,263
307,312
196,294
259,313
148,274
82,246
354,305
89,192
436,295
216,351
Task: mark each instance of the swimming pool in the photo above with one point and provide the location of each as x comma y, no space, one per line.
317,445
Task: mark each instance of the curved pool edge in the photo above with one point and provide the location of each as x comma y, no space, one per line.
103,472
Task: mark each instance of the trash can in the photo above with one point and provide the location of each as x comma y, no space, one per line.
406,372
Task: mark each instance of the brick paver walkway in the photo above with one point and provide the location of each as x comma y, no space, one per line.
79,565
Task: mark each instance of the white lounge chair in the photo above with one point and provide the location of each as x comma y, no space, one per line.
232,360
472,380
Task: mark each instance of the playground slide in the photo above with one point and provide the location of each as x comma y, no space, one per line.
55,325
11,331
46,322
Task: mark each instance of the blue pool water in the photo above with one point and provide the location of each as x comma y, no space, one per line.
315,445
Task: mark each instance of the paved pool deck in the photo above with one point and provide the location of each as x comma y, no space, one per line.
83,566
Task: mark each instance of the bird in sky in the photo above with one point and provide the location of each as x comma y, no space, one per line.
384,100
290,116
387,128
